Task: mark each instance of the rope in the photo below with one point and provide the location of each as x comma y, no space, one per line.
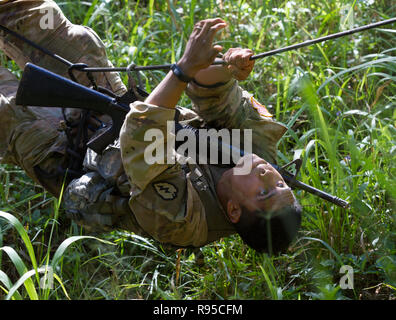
261,55
133,67
326,38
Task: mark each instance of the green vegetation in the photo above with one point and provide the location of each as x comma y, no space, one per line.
338,101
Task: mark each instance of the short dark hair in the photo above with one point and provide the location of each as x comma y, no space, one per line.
270,232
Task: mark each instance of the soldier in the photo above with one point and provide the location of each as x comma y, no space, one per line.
195,204
181,205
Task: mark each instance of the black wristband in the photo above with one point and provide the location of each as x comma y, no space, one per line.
179,73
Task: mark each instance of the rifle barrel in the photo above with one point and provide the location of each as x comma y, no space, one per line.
293,182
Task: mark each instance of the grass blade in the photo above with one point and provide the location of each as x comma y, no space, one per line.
327,246
25,278
358,67
8,284
22,232
20,266
66,243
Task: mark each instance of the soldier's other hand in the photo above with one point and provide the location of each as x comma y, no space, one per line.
200,51
239,63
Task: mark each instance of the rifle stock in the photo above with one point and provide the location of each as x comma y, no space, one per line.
42,88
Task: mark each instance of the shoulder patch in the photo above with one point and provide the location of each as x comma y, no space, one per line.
165,190
261,109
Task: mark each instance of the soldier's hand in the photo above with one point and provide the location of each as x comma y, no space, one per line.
239,63
200,51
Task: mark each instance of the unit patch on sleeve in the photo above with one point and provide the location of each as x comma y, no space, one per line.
165,190
261,109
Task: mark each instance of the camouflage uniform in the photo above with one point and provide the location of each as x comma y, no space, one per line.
31,137
180,206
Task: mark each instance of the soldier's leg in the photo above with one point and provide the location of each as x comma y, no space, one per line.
30,137
44,23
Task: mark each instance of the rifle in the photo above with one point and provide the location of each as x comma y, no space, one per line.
42,88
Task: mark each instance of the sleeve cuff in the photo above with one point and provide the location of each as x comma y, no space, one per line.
195,89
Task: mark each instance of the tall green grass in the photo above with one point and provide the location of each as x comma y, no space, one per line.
337,100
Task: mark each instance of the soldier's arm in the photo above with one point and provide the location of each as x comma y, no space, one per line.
199,54
149,121
222,103
239,66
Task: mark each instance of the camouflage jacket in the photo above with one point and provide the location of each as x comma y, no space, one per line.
163,199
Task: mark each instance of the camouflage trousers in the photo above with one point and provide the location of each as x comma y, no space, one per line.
31,137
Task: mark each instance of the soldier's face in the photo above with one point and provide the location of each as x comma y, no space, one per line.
263,188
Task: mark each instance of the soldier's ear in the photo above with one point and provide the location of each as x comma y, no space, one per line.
234,211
